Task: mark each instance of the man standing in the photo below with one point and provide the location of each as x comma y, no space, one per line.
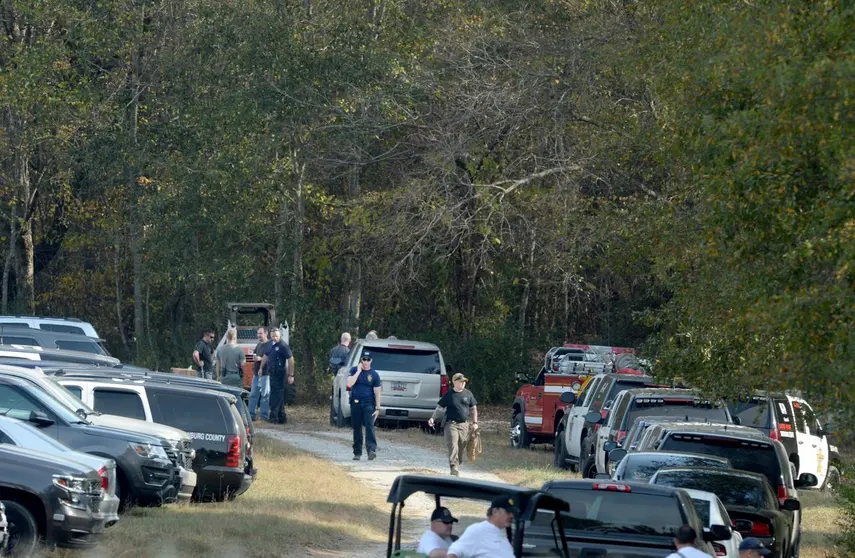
230,358
457,404
436,540
202,356
280,362
365,391
261,376
753,548
684,541
488,539
338,354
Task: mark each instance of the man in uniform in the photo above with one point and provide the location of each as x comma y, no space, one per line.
365,391
457,404
230,358
488,539
259,393
436,540
202,355
280,362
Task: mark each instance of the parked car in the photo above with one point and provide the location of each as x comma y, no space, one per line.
18,433
223,461
610,518
145,473
31,337
793,422
712,512
53,323
176,443
641,465
633,403
49,498
746,448
746,496
24,352
413,375
597,396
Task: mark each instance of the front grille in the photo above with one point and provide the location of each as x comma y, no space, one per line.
172,454
94,501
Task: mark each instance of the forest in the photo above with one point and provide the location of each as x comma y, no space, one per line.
495,176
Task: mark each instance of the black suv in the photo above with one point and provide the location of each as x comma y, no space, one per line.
146,474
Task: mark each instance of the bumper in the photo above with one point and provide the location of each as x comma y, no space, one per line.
220,483
74,528
188,484
406,414
108,511
159,484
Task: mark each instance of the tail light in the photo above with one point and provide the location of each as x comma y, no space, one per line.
719,549
782,493
775,434
105,480
611,487
233,453
443,385
604,414
760,529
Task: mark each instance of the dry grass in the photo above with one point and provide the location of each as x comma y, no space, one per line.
820,524
299,505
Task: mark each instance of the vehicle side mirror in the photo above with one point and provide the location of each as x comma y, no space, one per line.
80,413
743,525
609,446
806,480
594,417
736,420
791,505
39,419
617,454
568,397
718,533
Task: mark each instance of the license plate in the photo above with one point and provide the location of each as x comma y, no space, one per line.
400,386
396,413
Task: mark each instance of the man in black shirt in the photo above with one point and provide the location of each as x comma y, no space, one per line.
202,356
280,362
457,404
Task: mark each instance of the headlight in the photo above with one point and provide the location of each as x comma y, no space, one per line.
149,451
75,489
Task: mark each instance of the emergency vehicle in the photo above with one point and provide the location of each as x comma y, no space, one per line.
246,318
537,409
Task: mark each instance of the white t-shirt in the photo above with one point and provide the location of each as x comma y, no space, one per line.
483,540
430,541
689,552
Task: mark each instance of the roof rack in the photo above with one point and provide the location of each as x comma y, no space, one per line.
78,320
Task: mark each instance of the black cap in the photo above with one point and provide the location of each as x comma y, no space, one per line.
442,514
365,354
506,503
751,543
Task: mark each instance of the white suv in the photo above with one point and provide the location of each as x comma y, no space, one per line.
51,323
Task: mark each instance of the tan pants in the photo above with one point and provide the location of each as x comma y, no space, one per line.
456,436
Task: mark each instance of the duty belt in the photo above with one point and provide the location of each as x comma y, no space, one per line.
457,421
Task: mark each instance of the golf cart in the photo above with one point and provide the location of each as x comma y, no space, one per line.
530,502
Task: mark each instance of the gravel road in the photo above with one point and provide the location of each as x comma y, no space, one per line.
393,459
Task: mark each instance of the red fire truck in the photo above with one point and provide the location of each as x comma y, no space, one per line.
537,409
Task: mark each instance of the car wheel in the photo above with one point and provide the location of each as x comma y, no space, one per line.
339,413
23,530
520,437
332,408
832,479
559,456
588,463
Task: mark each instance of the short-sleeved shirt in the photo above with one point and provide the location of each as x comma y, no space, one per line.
457,404
278,356
205,356
260,350
482,540
430,541
338,356
365,383
231,358
689,552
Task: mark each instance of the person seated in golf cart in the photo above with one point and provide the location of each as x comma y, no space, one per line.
436,540
489,538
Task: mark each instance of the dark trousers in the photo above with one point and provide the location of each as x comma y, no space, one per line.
360,416
277,398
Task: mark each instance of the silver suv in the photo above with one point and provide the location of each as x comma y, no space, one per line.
413,375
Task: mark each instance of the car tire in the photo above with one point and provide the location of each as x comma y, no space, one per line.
832,480
340,420
588,461
559,456
23,530
520,438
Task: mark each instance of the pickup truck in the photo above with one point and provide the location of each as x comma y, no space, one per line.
49,498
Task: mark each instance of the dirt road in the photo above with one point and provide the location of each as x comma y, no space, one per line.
393,459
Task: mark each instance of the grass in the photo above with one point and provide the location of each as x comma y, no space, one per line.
287,512
820,524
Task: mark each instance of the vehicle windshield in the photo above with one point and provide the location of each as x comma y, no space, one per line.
404,360
642,467
617,512
80,346
20,408
757,457
754,413
682,408
703,509
732,490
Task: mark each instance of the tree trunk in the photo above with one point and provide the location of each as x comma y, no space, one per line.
10,257
352,294
116,273
135,242
281,246
135,237
526,293
27,292
299,212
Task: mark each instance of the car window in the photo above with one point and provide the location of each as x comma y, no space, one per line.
80,346
59,328
732,490
620,411
74,390
16,340
587,391
15,324
4,439
754,413
15,404
757,457
190,412
805,418
600,396
642,467
784,416
675,407
121,402
703,508
404,360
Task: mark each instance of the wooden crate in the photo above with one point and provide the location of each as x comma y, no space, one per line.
184,371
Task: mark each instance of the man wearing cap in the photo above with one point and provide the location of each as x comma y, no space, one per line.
365,390
752,548
436,540
457,404
488,539
684,541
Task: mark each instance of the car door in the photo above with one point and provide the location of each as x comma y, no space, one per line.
813,445
606,431
574,445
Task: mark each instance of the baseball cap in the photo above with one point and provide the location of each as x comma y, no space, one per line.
365,356
457,377
751,543
506,503
442,514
